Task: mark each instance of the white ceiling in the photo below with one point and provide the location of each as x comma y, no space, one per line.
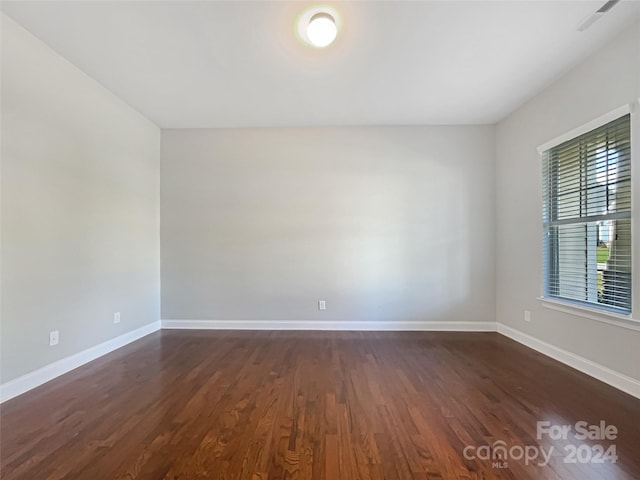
238,64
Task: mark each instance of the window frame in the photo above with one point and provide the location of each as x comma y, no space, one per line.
595,311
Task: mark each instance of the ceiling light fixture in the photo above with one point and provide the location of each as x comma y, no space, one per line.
322,29
318,26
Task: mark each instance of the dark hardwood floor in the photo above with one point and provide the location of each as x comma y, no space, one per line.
316,405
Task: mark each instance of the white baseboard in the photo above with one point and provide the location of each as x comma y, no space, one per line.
328,325
600,372
31,380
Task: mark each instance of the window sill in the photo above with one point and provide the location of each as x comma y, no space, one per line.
610,318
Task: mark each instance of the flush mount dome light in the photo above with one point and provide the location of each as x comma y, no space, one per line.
318,26
322,29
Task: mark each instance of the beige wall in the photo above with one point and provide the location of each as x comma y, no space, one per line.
80,211
391,224
606,81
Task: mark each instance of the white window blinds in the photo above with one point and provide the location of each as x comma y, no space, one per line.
587,218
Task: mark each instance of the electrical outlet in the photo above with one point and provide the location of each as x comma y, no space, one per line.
322,305
116,317
527,316
54,336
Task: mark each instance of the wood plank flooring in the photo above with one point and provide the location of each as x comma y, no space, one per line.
314,405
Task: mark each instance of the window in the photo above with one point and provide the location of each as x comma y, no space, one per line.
587,218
